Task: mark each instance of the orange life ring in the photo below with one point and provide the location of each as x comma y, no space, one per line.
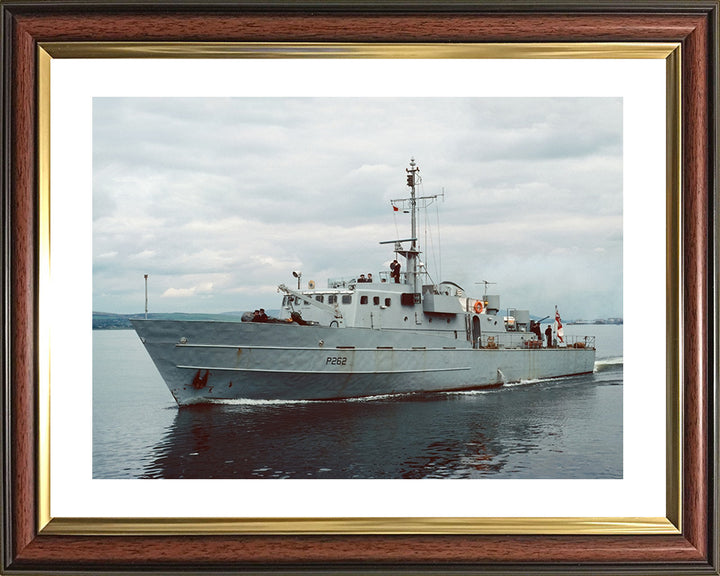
478,307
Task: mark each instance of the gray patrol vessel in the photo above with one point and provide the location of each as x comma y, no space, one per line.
396,334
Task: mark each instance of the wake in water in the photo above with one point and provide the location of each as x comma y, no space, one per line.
520,384
254,402
608,363
380,397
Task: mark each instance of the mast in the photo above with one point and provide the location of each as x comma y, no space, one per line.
411,255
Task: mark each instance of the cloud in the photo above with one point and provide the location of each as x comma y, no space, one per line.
191,291
220,199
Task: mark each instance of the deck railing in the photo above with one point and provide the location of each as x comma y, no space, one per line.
526,340
349,282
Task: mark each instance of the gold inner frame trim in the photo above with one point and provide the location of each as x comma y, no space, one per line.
356,526
673,307
44,362
594,50
670,52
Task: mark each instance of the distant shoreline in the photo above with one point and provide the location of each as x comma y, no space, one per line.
112,321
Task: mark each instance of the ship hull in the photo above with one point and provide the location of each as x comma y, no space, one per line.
205,362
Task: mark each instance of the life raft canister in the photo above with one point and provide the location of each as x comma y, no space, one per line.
478,307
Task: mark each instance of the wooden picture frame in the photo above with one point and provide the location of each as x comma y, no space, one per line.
31,544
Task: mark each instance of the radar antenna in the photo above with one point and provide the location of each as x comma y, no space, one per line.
486,285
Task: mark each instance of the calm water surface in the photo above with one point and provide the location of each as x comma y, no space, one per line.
566,428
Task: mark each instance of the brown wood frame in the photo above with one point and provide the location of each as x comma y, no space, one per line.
694,24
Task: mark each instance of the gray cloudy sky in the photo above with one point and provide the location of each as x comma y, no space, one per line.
220,199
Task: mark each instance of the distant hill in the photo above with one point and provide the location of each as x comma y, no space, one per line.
110,321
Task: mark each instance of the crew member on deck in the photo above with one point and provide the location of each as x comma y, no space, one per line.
535,329
395,271
548,335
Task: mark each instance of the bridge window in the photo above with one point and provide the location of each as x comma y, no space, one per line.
387,302
332,298
347,299
376,300
319,297
363,299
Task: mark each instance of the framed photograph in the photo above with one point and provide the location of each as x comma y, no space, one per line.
187,156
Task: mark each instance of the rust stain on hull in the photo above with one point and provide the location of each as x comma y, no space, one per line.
200,380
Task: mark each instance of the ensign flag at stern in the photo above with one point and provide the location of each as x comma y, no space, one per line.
558,326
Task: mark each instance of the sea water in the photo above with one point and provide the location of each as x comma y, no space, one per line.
566,428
